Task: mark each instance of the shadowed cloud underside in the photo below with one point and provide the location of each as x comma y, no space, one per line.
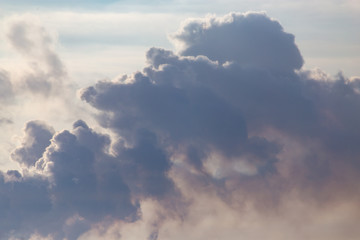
228,138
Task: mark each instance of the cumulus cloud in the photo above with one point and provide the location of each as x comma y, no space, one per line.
37,138
70,183
226,139
251,39
232,107
145,166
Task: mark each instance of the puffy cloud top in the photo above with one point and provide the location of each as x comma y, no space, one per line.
37,138
194,135
69,183
252,39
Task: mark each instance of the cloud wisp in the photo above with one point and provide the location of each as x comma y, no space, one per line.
229,137
35,44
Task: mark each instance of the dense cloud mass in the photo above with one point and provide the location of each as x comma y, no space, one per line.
37,138
73,184
253,40
228,139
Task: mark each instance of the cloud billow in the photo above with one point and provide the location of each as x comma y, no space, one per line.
73,184
252,39
229,128
37,138
233,103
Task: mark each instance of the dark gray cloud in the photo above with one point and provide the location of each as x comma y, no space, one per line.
177,115
145,166
253,40
71,181
81,175
37,138
25,204
250,135
74,184
236,122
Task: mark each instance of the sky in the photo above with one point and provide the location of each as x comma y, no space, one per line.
167,120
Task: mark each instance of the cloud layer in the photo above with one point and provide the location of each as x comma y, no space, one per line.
227,138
